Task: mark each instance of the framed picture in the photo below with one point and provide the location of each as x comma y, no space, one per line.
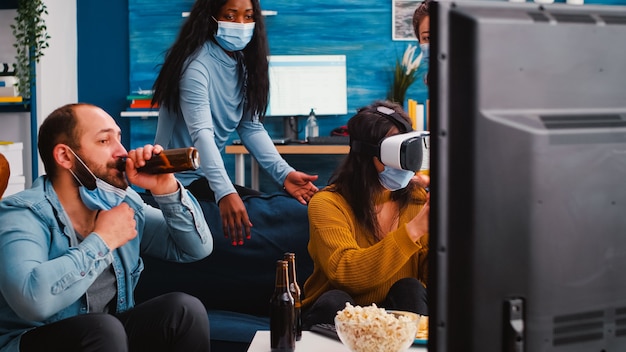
402,22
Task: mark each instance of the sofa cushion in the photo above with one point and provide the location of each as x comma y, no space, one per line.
237,278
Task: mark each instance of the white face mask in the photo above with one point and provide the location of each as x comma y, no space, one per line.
104,196
233,36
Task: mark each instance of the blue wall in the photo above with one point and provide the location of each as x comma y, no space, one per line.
103,56
359,29
121,43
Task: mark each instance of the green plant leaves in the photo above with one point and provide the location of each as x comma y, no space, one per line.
31,38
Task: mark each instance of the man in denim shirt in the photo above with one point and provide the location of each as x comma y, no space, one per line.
70,245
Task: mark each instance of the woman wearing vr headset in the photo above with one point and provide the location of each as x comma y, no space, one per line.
369,227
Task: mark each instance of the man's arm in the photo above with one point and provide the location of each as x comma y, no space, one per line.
33,285
178,230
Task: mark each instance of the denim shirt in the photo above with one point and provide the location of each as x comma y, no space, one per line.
212,106
45,274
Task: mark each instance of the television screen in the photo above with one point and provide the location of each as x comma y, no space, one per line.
528,166
299,83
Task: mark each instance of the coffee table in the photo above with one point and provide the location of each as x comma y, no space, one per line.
310,342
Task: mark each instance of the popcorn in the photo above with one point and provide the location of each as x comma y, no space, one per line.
372,329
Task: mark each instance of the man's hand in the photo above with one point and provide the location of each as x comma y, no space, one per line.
156,184
116,226
300,186
235,219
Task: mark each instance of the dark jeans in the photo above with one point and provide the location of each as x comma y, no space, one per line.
201,190
171,322
406,294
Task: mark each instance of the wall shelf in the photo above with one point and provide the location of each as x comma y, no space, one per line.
15,107
141,114
8,4
263,12
28,106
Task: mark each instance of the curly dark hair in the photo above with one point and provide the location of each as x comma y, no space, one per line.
199,27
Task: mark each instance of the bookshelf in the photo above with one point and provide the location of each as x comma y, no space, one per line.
26,108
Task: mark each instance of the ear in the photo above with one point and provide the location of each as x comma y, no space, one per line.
63,156
378,164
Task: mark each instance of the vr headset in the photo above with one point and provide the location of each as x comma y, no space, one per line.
408,150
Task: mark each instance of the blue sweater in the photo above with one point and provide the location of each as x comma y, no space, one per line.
212,106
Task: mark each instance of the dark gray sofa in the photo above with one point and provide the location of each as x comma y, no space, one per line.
235,283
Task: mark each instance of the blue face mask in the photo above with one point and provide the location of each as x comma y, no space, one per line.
394,179
232,36
103,196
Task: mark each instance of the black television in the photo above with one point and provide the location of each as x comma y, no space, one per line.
528,177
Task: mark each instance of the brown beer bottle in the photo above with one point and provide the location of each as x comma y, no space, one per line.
282,317
168,161
294,288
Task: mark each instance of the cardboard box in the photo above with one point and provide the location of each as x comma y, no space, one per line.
10,91
13,153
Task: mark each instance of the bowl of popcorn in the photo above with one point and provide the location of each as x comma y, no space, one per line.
373,329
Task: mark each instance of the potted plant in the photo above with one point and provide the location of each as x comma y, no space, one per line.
404,75
31,38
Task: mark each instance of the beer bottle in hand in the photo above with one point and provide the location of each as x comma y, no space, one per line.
282,317
168,161
294,288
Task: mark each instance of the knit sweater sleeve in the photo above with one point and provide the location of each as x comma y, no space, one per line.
348,258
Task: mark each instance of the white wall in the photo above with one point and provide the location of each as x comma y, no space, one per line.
56,73
57,76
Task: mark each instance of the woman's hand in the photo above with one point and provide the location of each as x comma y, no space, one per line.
235,219
418,226
300,186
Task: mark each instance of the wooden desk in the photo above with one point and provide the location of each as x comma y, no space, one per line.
305,149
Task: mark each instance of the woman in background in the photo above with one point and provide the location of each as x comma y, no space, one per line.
368,228
421,27
215,80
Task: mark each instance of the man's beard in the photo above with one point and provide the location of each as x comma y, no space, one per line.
112,175
108,173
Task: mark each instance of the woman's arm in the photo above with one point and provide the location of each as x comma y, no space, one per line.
343,251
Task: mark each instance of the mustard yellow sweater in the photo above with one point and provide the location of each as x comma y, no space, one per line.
346,257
